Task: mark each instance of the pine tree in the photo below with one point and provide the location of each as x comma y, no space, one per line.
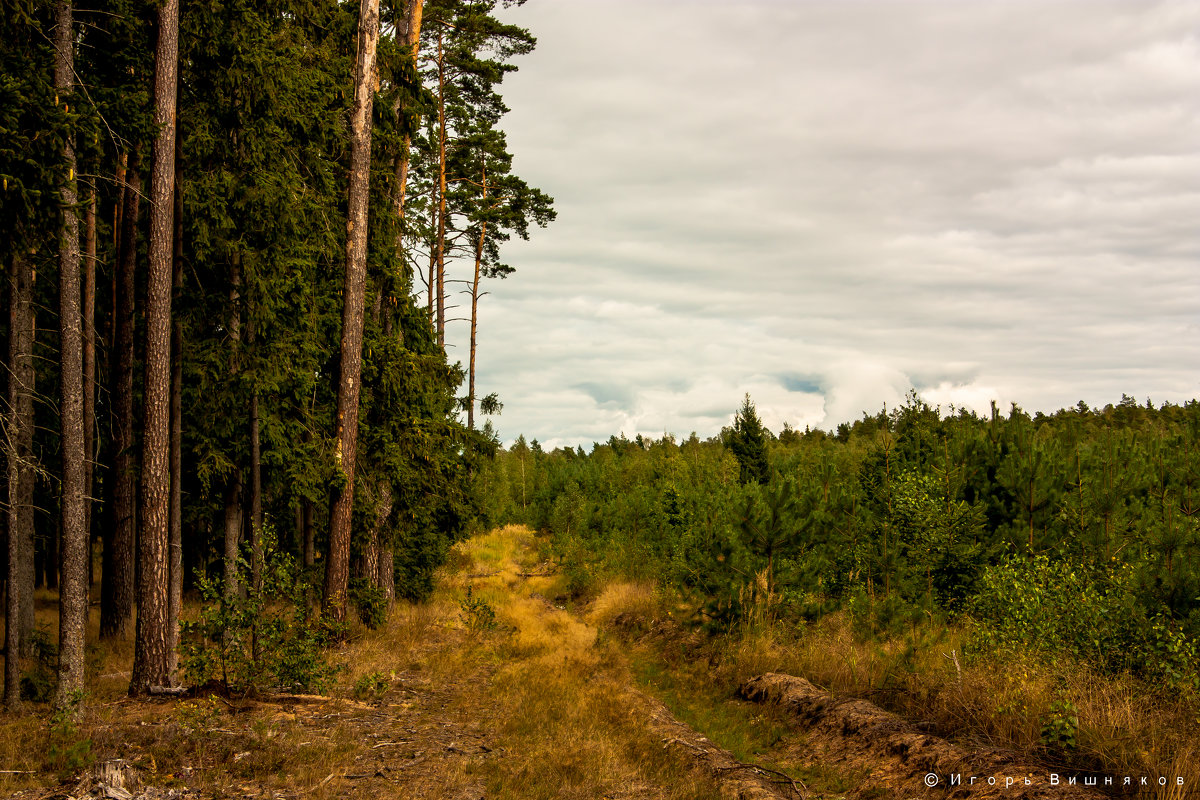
337,573
151,662
73,588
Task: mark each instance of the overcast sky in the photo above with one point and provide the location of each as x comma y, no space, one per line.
825,204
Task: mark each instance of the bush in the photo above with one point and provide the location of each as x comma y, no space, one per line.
477,613
370,602
1057,609
220,645
38,684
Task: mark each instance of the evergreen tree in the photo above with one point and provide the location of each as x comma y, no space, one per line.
747,440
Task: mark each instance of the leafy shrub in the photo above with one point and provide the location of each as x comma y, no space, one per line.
477,613
1061,726
220,645
67,751
1055,608
371,686
39,682
370,602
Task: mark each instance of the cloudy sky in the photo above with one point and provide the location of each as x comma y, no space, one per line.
825,204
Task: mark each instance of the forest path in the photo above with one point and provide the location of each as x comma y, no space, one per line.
494,689
510,695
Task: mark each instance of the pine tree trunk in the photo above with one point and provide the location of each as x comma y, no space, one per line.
175,593
73,594
412,40
381,558
387,573
89,371
440,244
310,535
256,512
233,533
338,562
150,659
475,308
26,376
431,281
19,584
233,489
117,586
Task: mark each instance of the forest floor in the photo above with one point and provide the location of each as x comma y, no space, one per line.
500,687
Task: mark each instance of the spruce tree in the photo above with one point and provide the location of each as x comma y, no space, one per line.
747,440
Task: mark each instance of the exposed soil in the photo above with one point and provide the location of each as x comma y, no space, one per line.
897,755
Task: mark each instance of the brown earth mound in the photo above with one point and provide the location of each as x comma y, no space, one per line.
901,757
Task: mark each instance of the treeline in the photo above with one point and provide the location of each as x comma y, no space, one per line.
1075,533
228,229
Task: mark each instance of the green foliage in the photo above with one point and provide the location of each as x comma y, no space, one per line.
477,614
221,644
1061,726
66,750
371,686
1074,536
197,717
747,440
39,682
370,602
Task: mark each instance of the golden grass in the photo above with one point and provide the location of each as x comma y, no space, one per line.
625,604
1122,729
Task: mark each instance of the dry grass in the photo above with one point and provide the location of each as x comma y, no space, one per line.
625,605
532,707
1122,728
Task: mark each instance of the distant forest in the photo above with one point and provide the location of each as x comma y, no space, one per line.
1070,535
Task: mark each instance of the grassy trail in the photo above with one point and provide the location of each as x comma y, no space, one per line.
493,689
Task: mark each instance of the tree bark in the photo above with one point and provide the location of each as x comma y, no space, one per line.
117,589
233,533
233,489
19,579
337,564
150,659
412,40
89,370
73,592
175,590
431,282
26,376
256,509
310,534
475,307
440,244
381,558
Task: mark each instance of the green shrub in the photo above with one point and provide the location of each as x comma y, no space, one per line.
370,601
371,686
220,645
39,682
1060,609
477,613
1061,726
66,750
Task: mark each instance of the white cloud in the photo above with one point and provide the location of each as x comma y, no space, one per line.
827,203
